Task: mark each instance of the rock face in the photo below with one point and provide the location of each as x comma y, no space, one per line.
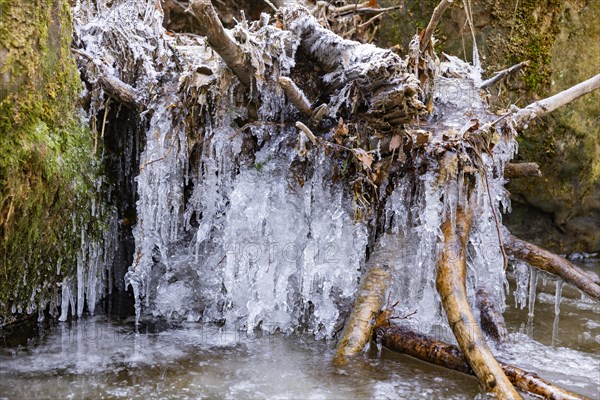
46,168
561,210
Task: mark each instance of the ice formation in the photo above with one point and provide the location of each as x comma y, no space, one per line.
265,238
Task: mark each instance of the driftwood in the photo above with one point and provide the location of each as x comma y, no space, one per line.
492,321
522,170
369,301
450,283
404,340
221,42
554,264
547,105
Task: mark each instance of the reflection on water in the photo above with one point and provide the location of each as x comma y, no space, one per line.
102,358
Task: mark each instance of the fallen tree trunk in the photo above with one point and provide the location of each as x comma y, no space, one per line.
450,283
554,264
380,77
402,339
369,301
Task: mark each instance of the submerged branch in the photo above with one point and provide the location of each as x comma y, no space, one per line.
221,42
450,283
554,264
522,170
403,340
545,106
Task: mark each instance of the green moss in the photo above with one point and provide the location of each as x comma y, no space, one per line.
47,166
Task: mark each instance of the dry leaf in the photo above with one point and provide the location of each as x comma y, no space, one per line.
395,142
365,158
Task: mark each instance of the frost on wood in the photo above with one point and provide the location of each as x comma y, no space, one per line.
242,220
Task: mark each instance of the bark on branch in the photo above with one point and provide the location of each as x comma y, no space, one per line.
554,264
522,170
295,95
492,321
433,22
114,87
450,283
403,340
545,106
369,301
221,42
503,73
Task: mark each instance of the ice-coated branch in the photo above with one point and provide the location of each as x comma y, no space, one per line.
433,22
503,73
522,170
547,105
554,264
113,86
221,42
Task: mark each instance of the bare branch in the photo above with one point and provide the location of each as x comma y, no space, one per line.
554,264
369,300
492,321
115,87
503,73
522,170
221,42
403,340
435,19
307,132
450,284
295,95
550,104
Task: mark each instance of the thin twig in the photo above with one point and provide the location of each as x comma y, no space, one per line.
106,108
307,132
295,95
435,19
502,74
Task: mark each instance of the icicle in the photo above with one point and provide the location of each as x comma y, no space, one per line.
66,297
522,276
532,291
558,296
41,315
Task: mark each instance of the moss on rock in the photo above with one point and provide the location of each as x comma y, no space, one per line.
47,165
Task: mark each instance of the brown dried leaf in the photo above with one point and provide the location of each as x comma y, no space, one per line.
395,142
365,158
